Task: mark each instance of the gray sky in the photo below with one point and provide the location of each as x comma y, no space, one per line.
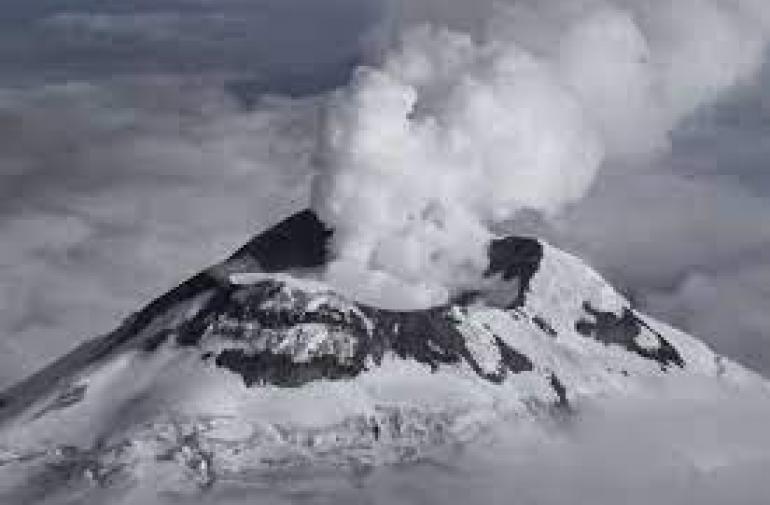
277,44
134,150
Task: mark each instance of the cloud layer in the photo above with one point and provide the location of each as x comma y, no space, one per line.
681,441
293,45
112,193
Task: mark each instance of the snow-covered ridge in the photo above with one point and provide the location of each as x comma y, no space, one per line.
254,365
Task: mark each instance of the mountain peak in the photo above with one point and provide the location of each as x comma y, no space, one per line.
300,241
254,366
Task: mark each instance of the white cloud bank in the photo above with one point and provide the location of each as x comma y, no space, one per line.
113,192
683,441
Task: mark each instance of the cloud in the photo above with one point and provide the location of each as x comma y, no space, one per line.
676,442
728,309
671,458
271,45
697,263
688,236
456,132
118,191
154,27
448,135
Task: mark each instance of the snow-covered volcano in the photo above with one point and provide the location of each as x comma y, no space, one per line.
254,367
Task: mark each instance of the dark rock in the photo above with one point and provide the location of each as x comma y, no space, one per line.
515,258
429,337
281,370
514,361
544,325
623,330
298,242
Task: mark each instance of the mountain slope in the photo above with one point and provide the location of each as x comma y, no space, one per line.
254,366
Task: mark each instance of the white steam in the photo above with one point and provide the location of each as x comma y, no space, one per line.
456,132
447,137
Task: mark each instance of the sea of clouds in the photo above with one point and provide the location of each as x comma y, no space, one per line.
675,442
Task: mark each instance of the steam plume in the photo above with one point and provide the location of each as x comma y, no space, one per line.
457,131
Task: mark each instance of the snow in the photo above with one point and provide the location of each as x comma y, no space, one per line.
172,402
563,284
290,282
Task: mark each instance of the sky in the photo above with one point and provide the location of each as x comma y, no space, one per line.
141,141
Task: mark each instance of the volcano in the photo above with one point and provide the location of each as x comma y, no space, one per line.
255,366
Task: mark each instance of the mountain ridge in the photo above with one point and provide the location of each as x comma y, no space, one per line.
256,365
